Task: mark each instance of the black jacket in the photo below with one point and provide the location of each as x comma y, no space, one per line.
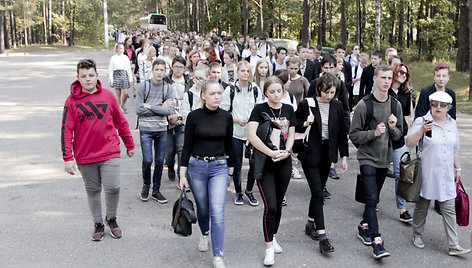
367,81
343,97
312,70
422,107
347,71
337,132
264,130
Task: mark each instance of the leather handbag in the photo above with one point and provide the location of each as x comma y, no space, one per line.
409,184
183,215
462,205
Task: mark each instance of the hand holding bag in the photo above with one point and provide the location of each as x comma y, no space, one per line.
462,205
183,215
409,184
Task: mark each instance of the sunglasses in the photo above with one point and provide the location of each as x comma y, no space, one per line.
401,72
439,105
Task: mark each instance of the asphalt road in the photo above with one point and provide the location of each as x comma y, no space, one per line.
45,219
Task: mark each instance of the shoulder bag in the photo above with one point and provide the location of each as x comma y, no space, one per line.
409,184
183,215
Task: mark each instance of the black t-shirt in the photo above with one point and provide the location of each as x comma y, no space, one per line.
208,133
284,117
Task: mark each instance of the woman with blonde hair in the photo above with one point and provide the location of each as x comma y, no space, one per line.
121,77
261,72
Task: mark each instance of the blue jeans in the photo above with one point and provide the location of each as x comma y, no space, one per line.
209,182
374,179
397,153
238,151
175,142
147,140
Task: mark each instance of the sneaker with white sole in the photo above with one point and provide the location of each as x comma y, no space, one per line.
252,200
296,173
276,246
218,262
269,258
418,242
238,199
458,251
204,243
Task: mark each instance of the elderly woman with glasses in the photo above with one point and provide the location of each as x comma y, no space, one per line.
441,168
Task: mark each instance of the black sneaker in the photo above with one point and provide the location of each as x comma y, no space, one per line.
115,230
364,235
406,217
284,201
159,197
144,193
98,232
327,195
380,251
238,199
252,200
325,246
171,173
310,231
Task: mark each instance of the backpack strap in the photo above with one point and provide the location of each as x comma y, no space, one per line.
231,97
147,90
311,105
369,103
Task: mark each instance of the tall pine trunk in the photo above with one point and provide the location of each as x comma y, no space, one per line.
305,34
245,17
50,23
260,20
401,25
323,22
2,39
45,24
377,25
462,62
358,23
394,23
469,2
343,23
5,27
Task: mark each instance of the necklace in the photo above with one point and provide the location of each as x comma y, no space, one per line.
272,111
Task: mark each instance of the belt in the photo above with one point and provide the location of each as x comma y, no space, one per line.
209,158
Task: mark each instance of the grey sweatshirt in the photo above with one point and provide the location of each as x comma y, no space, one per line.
155,118
375,151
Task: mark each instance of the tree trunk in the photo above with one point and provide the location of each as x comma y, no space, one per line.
305,34
419,36
363,21
343,23
50,22
462,62
71,36
377,25
323,22
194,16
470,49
2,40
245,17
25,25
260,23
401,25
358,23
45,24
5,26
201,9
409,32
14,38
63,29
272,16
394,24
330,14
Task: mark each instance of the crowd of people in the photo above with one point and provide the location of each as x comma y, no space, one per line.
206,103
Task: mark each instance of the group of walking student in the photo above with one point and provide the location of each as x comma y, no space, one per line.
271,107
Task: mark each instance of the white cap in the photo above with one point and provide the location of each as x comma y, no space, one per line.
440,96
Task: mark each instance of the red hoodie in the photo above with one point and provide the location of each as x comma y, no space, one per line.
89,124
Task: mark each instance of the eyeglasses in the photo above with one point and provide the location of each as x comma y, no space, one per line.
439,105
401,72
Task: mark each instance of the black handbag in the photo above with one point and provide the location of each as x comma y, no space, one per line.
409,183
183,215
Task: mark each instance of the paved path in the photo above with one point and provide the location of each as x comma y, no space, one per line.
45,221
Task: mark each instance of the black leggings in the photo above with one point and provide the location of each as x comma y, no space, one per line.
317,176
273,185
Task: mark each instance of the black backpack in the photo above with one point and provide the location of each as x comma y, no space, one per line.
369,103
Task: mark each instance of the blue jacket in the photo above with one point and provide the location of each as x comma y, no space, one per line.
423,105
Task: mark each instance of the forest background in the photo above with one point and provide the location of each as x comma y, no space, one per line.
424,31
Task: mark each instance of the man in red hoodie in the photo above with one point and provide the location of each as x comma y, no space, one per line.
90,119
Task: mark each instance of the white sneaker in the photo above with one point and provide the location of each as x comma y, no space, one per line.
269,257
277,247
295,173
204,243
218,262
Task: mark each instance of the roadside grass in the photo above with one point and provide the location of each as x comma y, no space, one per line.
422,73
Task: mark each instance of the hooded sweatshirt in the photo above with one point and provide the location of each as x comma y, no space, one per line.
89,124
